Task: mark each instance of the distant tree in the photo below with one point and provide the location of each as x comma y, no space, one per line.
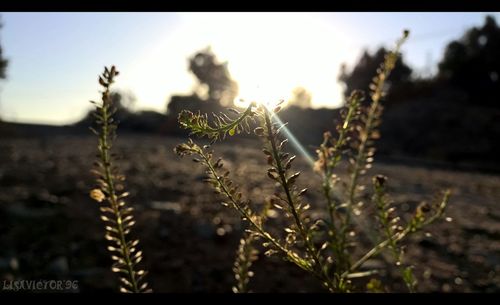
3,62
214,76
177,103
123,100
366,68
300,98
472,64
3,65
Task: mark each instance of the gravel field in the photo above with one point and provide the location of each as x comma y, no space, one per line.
50,228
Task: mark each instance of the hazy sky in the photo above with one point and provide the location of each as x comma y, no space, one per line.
54,58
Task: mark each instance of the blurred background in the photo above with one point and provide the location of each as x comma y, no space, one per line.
441,126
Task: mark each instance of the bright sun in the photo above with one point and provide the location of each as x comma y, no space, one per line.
269,55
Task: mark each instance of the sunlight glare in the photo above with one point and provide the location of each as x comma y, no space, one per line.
269,54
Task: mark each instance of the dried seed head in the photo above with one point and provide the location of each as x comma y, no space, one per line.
97,195
259,131
379,180
357,95
327,136
183,149
424,207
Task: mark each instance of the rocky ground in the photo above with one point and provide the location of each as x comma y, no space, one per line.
50,228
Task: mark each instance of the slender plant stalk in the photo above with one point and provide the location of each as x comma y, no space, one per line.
230,193
389,225
366,134
329,158
245,256
117,216
285,184
417,223
222,125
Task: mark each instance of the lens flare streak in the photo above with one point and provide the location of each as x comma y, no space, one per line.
296,143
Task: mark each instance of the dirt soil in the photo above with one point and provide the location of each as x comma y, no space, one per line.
50,228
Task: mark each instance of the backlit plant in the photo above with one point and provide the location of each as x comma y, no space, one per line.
115,213
322,247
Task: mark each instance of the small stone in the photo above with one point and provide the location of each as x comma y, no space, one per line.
174,207
14,264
